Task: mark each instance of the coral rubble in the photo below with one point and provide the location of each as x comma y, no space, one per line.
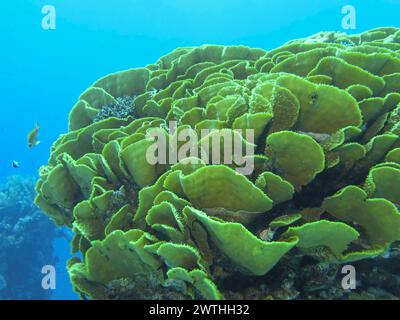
324,190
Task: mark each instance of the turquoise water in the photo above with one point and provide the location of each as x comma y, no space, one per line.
44,71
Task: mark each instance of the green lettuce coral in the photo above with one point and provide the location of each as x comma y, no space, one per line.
325,115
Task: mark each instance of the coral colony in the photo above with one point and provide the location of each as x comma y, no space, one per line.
323,192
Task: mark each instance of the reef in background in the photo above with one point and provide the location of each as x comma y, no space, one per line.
26,243
324,192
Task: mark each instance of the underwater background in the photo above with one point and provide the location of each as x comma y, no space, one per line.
44,71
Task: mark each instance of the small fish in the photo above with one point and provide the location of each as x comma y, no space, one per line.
15,164
33,137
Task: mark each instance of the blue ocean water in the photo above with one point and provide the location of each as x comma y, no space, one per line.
44,71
